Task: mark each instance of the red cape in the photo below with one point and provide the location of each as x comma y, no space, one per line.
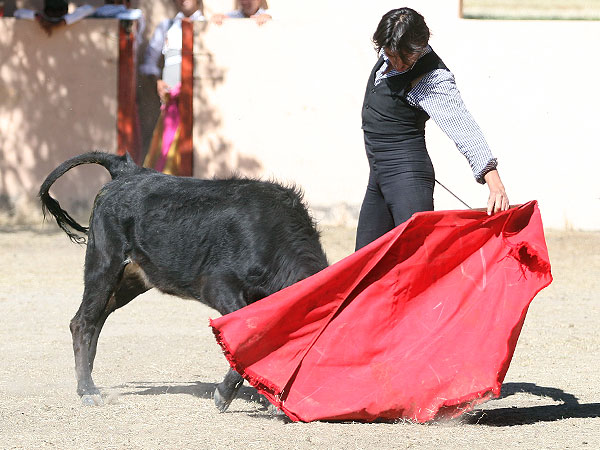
418,325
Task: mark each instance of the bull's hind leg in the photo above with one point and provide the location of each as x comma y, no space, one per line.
89,320
133,283
102,274
84,326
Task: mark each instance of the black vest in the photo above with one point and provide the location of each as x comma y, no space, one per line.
385,108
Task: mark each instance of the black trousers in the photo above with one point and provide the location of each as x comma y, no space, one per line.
401,182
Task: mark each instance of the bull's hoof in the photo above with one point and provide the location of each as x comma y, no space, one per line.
220,402
92,400
273,411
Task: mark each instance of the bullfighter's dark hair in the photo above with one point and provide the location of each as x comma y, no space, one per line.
401,31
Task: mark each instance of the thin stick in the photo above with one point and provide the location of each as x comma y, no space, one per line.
453,194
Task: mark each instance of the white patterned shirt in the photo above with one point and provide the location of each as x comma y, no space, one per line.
436,94
166,37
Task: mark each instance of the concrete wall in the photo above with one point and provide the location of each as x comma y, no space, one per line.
284,100
58,99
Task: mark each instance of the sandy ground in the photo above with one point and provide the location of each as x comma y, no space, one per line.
158,364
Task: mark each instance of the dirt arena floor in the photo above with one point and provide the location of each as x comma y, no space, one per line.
158,364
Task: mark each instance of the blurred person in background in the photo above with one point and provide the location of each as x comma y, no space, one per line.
246,9
121,9
165,45
55,14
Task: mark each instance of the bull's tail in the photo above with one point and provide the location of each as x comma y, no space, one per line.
116,165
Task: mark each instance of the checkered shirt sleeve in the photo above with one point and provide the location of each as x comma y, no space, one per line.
436,94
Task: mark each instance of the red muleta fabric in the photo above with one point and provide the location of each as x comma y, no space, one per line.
420,324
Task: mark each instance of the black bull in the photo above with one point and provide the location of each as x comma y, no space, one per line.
226,243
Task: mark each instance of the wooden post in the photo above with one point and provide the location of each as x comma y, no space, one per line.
128,127
186,96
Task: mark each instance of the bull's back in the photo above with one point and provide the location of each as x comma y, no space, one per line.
258,231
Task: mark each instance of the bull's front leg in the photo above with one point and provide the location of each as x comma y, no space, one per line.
227,390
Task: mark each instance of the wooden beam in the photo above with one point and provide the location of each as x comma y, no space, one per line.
186,96
128,126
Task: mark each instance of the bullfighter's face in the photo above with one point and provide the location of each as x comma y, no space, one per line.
404,62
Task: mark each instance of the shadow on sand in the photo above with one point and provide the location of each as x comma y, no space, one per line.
198,389
570,408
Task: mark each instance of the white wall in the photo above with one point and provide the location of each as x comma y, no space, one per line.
58,98
531,86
